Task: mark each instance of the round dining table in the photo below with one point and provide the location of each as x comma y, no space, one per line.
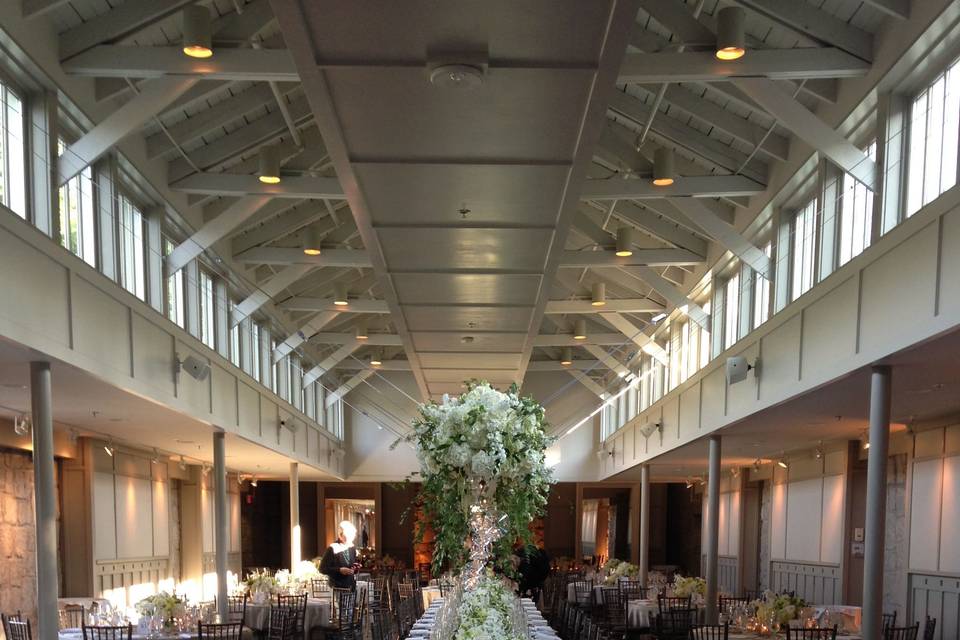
317,614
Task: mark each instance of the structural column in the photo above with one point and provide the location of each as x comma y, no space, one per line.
713,530
644,523
294,515
221,538
876,502
45,500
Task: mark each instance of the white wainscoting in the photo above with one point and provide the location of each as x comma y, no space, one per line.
937,597
814,582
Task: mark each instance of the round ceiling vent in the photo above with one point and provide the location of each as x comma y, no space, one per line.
456,76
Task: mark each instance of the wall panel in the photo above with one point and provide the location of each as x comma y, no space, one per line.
950,518
101,326
778,522
831,520
23,273
925,514
803,519
950,266
829,332
713,399
152,354
224,389
781,360
134,518
161,519
104,515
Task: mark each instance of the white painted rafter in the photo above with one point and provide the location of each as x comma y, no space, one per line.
294,255
695,186
303,333
330,362
640,257
229,184
116,61
673,295
268,290
348,386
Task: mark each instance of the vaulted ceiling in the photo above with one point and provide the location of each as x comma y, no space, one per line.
468,164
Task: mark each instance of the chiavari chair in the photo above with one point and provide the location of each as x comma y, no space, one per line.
675,624
282,624
888,620
237,608
812,633
297,605
710,632
16,628
929,628
220,631
665,603
902,633
632,590
72,616
118,632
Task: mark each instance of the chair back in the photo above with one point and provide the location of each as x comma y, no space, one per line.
710,632
676,623
727,605
224,631
583,590
72,616
119,632
665,603
237,608
320,588
889,620
902,633
812,633
632,590
297,605
17,628
381,625
4,619
929,628
345,608
282,624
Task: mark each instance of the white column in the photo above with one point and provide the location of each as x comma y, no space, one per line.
221,538
294,514
644,523
45,501
876,502
713,530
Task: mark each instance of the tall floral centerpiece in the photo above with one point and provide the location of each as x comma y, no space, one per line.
484,476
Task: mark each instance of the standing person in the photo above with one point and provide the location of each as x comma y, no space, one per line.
339,561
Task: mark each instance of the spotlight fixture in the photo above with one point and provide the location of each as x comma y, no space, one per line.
663,163
598,297
865,439
624,242
340,296
659,317
253,483
240,479
689,483
311,240
361,332
21,424
197,39
269,164
735,472
580,330
74,436
376,359
818,452
109,448
756,464
182,464
205,470
567,358
782,463
730,34
156,457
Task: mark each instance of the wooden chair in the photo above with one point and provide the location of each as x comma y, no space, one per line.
72,616
710,632
281,626
727,605
929,628
632,590
583,593
237,608
16,628
297,605
613,612
224,631
381,626
902,633
675,624
665,603
119,632
320,588
889,620
344,624
813,633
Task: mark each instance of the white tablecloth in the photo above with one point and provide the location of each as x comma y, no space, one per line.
597,592
77,634
317,614
640,613
429,595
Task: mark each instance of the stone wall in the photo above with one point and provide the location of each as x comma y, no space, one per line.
766,511
18,548
896,544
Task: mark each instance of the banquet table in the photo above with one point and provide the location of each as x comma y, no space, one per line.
77,634
640,613
317,614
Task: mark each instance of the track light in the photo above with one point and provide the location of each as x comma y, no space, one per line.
156,457
361,332
689,483
253,483
109,448
818,452
865,439
197,39
376,359
269,164
312,239
782,463
756,464
663,171
598,297
182,464
340,296
205,470
240,479
580,330
735,472
730,34
567,358
625,242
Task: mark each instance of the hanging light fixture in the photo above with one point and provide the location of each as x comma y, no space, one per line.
663,170
109,448
731,41
567,358
624,242
21,424
182,464
598,297
311,240
361,331
269,164
197,41
340,295
156,457
756,464
580,330
253,483
376,359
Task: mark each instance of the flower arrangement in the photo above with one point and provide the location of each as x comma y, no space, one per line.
694,588
481,454
164,604
777,609
486,612
617,569
261,585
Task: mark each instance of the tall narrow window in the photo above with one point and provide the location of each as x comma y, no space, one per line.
77,231
13,175
176,311
208,317
234,340
761,294
684,351
274,384
856,213
932,157
705,339
255,352
132,265
803,241
731,311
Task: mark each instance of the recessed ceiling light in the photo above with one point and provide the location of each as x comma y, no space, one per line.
456,76
467,339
